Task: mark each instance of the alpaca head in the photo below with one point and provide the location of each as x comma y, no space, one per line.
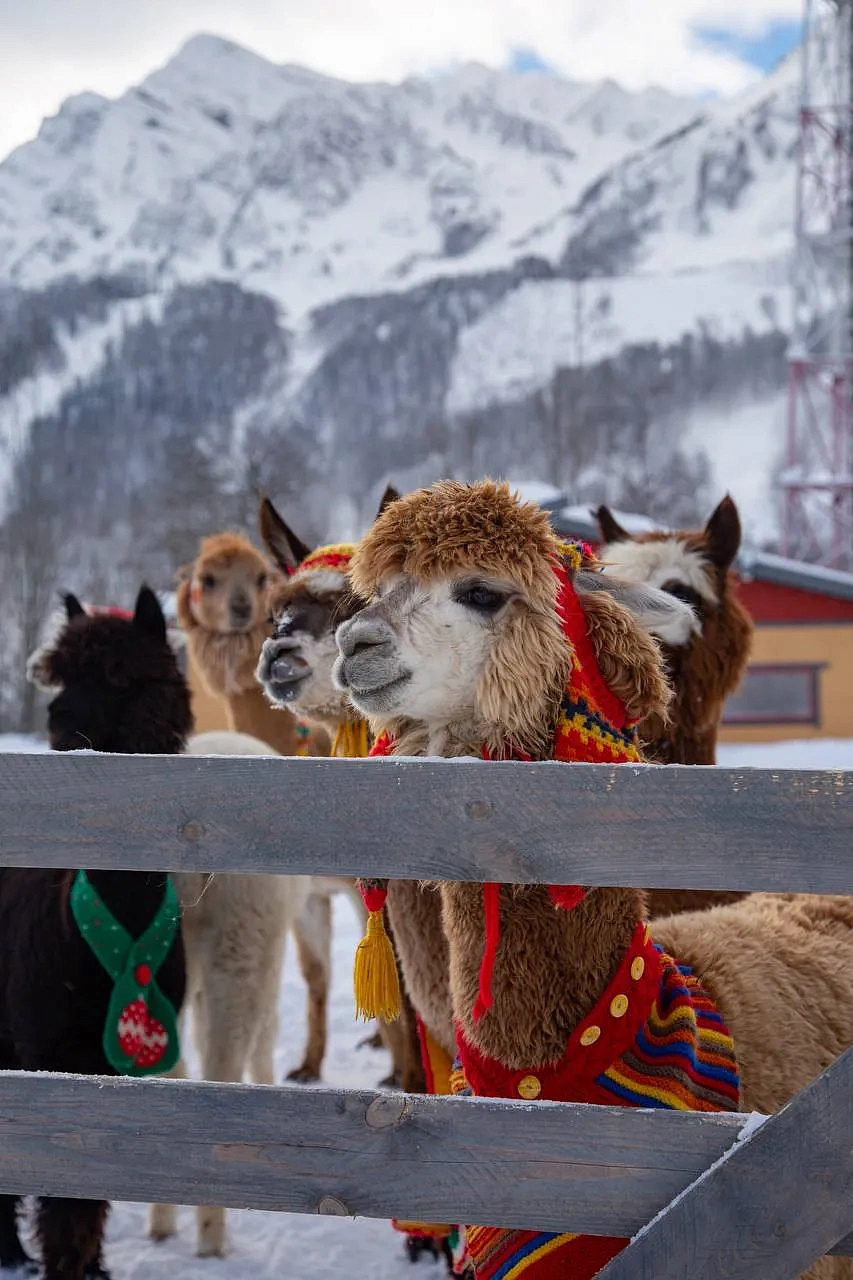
462,634
706,664
225,588
307,606
115,680
223,607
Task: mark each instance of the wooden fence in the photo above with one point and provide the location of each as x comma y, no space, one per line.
724,1195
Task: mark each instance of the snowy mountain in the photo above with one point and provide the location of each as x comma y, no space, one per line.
223,164
239,273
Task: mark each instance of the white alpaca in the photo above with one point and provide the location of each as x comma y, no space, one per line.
234,929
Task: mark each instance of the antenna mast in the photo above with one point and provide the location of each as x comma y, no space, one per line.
817,481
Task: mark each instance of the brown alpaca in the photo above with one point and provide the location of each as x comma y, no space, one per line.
223,606
307,601
706,666
464,650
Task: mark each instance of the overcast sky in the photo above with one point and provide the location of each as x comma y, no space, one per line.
52,48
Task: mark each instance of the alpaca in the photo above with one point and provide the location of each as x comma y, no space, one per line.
295,670
707,665
485,636
234,930
117,688
223,608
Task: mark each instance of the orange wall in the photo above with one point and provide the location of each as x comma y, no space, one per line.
830,644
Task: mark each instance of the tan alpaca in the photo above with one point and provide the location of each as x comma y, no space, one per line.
223,608
234,931
707,664
295,670
462,649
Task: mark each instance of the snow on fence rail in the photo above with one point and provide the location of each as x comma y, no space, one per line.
764,1206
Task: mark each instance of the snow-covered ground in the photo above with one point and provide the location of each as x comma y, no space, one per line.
269,1246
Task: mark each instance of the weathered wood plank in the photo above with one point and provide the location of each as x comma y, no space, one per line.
606,1170
776,1202
464,820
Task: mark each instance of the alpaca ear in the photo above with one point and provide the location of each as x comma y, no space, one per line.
73,607
722,534
611,529
286,549
663,615
390,495
148,616
630,661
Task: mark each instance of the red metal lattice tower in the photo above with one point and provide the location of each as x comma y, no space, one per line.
817,481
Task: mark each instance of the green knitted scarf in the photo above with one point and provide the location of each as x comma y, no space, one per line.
141,1030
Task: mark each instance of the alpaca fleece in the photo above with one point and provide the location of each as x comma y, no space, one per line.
119,690
704,672
777,968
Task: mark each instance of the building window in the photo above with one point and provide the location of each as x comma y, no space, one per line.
776,694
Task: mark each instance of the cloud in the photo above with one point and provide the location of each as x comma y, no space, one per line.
53,48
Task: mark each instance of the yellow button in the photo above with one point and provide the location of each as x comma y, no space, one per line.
529,1088
619,1006
590,1036
638,968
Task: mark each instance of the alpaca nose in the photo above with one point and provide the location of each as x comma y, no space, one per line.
282,660
362,634
241,609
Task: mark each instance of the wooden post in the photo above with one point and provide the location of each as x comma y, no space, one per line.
771,1206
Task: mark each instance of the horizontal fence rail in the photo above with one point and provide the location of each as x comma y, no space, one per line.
674,827
606,1170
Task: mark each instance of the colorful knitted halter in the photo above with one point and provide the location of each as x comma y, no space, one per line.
592,727
141,1029
336,557
653,1039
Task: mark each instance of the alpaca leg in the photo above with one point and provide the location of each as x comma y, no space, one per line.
313,933
265,1011
71,1234
225,1021
12,1253
163,1222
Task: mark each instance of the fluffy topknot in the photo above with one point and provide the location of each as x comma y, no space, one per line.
224,549
450,526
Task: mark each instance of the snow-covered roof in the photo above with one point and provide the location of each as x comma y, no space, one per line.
543,494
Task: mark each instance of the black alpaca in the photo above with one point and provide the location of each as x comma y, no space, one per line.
118,690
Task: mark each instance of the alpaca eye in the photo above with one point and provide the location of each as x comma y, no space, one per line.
262,581
283,625
483,599
683,593
208,581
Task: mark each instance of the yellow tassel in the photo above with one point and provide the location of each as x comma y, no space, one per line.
377,988
351,740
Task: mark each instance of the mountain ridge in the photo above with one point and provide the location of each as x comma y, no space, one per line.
238,273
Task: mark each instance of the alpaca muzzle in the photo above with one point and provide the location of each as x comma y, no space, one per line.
282,668
369,667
